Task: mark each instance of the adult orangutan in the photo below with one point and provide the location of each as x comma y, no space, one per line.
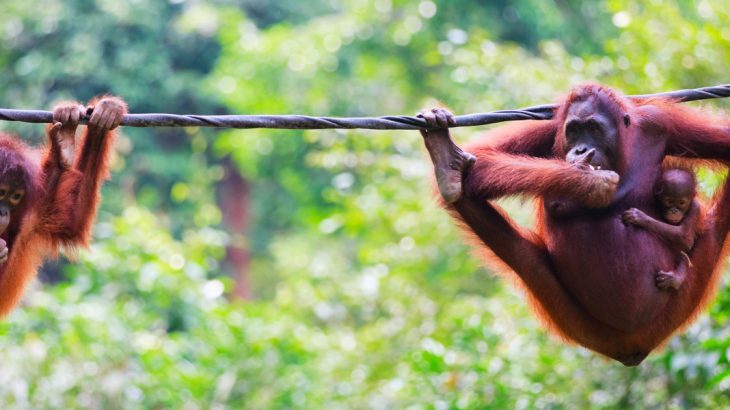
590,276
50,204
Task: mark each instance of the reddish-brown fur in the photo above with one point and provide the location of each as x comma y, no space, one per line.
61,200
589,276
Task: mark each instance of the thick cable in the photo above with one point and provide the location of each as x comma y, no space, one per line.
398,122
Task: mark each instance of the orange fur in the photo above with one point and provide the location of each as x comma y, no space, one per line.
60,207
589,277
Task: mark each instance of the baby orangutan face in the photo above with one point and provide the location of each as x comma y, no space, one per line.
675,193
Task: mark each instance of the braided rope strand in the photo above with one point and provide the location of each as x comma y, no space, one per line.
539,112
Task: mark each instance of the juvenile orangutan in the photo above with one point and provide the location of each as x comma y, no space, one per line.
675,195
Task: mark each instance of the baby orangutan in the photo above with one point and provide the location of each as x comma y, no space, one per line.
675,195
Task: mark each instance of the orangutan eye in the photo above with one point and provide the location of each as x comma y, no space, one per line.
3,191
17,197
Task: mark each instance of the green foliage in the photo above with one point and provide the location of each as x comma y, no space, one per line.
366,296
151,53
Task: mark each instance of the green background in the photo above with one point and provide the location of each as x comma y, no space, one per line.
352,288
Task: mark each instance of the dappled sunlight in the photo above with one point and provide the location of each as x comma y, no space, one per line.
314,269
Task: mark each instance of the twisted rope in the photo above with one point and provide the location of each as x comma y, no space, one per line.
539,112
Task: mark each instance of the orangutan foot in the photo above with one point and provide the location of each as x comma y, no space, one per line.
449,161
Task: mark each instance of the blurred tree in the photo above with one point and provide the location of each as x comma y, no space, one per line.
367,297
155,55
147,53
